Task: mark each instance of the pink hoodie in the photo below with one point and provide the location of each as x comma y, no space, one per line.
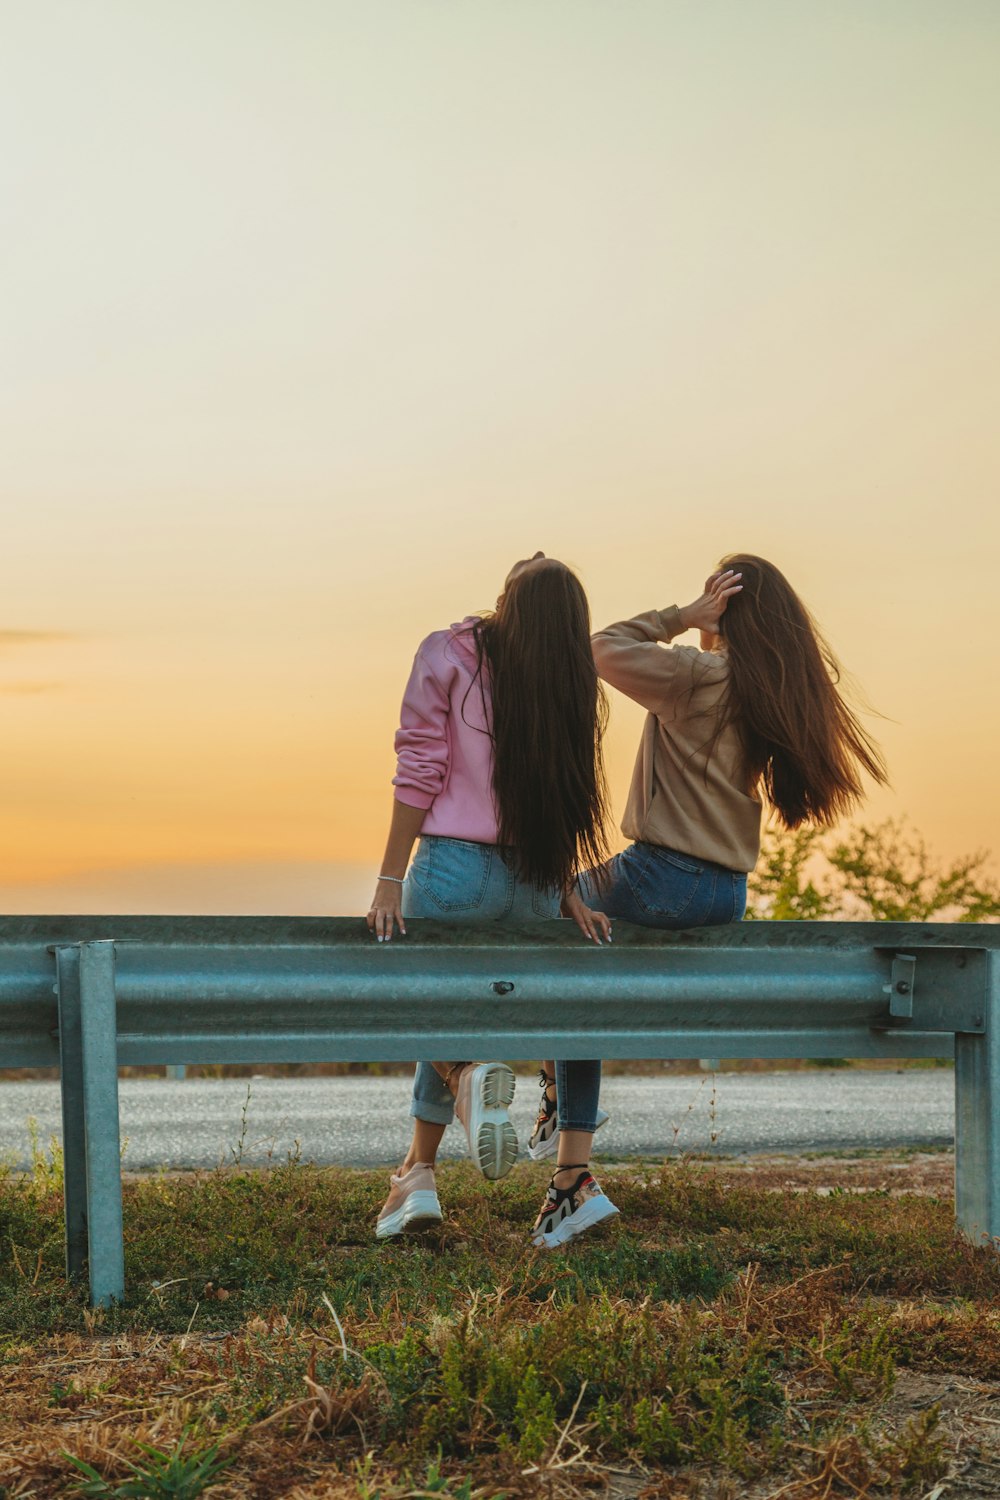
444,754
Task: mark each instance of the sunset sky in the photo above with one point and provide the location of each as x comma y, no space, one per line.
318,315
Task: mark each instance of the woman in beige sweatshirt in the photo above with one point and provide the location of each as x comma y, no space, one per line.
752,719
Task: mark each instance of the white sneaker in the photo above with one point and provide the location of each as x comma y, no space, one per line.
412,1204
568,1212
484,1092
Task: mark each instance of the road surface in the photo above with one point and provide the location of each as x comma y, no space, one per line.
363,1121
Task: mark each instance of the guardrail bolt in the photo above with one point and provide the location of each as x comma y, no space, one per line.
902,987
502,986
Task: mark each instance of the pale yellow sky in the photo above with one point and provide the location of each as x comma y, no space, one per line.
319,314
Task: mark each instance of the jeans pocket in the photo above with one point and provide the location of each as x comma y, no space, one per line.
666,885
545,903
452,873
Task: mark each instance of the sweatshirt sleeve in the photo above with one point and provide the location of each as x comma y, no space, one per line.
629,656
422,736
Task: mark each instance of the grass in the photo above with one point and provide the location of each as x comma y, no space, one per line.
720,1340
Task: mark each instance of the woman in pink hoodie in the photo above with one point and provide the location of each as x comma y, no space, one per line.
499,775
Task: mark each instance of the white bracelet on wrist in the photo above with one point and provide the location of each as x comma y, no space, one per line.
394,878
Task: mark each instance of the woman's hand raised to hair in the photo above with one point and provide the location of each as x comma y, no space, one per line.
705,613
386,911
593,924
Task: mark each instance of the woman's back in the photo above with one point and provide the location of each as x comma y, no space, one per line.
444,746
756,720
688,790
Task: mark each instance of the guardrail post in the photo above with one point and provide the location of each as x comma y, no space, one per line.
103,1141
73,1118
977,1119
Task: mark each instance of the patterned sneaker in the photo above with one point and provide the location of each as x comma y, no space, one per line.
412,1204
484,1092
568,1212
544,1139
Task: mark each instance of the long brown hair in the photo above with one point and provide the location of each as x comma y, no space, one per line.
547,722
803,746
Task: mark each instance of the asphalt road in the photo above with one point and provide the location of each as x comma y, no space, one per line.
363,1121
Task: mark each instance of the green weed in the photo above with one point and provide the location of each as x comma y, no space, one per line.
162,1474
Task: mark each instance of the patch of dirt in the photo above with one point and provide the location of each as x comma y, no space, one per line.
927,1173
931,1173
970,1420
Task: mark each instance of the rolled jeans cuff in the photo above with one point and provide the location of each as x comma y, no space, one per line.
432,1099
432,1114
587,1129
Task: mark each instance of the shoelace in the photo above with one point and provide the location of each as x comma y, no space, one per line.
573,1166
547,1105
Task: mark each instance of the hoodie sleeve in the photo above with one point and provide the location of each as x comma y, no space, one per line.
629,656
422,743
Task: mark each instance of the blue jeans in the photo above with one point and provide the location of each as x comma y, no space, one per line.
656,887
460,881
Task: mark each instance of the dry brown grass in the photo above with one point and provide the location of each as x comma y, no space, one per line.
739,1336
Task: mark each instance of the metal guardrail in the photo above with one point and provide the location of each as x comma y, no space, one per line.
90,994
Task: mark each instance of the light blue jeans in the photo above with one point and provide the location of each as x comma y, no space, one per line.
460,881
657,887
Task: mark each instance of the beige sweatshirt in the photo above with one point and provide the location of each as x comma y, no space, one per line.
681,797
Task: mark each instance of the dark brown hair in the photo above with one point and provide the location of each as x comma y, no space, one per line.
547,721
803,746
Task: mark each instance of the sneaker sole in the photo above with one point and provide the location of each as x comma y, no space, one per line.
493,1137
420,1210
551,1146
595,1211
